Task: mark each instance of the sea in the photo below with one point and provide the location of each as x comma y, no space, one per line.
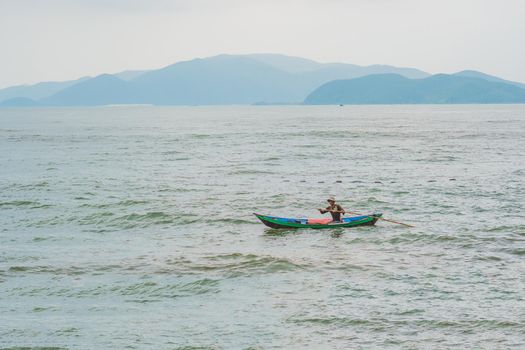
132,227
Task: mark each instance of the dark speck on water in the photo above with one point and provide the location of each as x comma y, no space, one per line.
132,227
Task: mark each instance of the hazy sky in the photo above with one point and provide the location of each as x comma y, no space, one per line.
44,40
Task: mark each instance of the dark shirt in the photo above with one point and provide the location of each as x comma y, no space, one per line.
336,207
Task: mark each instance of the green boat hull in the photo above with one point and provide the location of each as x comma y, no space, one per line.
287,223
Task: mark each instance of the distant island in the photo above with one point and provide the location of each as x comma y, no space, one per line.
395,89
265,79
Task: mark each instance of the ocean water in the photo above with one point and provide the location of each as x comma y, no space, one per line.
132,227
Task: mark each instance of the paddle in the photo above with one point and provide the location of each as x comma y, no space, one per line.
392,221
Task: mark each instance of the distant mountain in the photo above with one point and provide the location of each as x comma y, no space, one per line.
331,71
128,75
309,74
337,71
288,64
37,91
223,79
476,74
42,90
237,79
19,102
102,90
395,89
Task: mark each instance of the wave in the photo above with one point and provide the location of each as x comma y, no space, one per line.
219,266
145,291
416,237
236,265
124,203
179,190
251,172
25,187
338,321
473,324
140,220
108,220
34,348
515,251
70,271
136,220
154,289
24,204
234,221
507,228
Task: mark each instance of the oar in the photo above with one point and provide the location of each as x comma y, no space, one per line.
392,221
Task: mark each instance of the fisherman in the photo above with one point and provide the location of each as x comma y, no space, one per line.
334,209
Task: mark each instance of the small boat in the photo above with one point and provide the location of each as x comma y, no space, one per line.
278,222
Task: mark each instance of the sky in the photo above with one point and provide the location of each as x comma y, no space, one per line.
56,40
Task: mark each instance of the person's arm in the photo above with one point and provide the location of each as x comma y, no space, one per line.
340,209
322,211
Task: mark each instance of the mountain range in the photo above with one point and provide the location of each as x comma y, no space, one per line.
264,79
395,89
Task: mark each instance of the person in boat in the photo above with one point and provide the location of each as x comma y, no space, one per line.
334,209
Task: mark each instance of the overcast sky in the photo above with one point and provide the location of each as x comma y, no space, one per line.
43,40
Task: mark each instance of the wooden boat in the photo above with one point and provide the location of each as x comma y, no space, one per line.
278,222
